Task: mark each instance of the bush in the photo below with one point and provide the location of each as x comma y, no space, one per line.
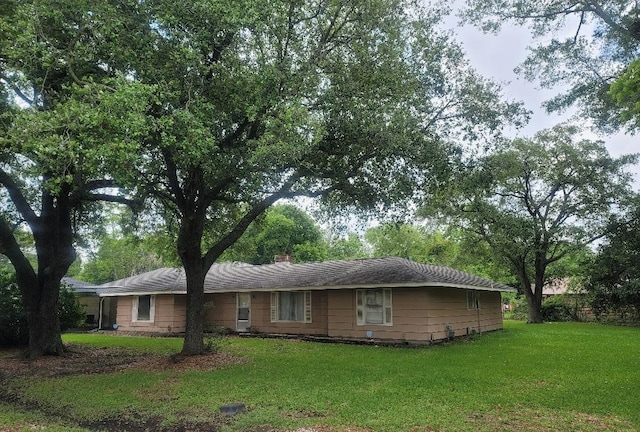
519,310
558,308
13,321
14,330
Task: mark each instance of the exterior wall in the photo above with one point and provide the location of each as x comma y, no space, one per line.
91,307
220,311
169,316
409,316
419,315
448,307
223,314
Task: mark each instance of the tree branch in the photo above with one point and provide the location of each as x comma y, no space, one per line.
18,199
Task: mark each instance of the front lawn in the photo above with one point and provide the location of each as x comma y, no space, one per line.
548,377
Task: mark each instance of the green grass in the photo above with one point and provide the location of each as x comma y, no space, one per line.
548,377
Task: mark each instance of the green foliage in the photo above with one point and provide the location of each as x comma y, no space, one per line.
70,310
284,229
349,247
451,248
13,320
118,257
625,92
614,279
539,201
585,46
557,308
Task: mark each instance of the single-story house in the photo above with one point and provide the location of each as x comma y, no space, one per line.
88,298
373,298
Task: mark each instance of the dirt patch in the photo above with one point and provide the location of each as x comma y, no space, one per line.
84,360
525,419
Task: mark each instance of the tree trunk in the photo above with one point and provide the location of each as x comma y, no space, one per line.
40,300
194,332
53,235
534,298
189,249
534,306
42,317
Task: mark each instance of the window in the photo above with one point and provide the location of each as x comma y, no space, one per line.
473,300
291,306
143,308
373,306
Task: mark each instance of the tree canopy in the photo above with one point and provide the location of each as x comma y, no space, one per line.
217,109
585,45
536,200
283,230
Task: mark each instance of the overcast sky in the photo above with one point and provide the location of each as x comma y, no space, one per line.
497,55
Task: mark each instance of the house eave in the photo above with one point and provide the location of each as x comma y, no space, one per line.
316,288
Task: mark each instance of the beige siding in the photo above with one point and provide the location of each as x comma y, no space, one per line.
169,316
419,314
223,314
448,307
409,320
220,311
91,307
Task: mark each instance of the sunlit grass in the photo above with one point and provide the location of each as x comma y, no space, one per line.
527,377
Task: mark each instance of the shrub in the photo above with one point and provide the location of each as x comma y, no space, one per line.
13,320
558,308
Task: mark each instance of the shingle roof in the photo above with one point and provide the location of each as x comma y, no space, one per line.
369,272
79,286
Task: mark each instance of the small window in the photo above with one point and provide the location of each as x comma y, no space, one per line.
373,306
143,308
291,306
473,300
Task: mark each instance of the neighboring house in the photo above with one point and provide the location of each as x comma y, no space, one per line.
555,287
88,298
377,298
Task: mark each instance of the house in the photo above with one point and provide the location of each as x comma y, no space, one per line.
376,298
87,295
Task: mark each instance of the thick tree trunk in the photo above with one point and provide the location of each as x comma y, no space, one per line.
534,297
40,295
189,249
534,306
43,320
53,235
194,332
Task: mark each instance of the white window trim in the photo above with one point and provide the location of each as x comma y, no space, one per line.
152,309
274,308
473,300
387,308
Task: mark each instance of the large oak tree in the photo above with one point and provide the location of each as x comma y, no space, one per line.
219,109
537,200
54,153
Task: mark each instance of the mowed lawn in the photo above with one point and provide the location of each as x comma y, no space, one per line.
548,377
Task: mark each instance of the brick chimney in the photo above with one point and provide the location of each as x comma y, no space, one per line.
285,258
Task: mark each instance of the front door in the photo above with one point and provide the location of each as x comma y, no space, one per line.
243,321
